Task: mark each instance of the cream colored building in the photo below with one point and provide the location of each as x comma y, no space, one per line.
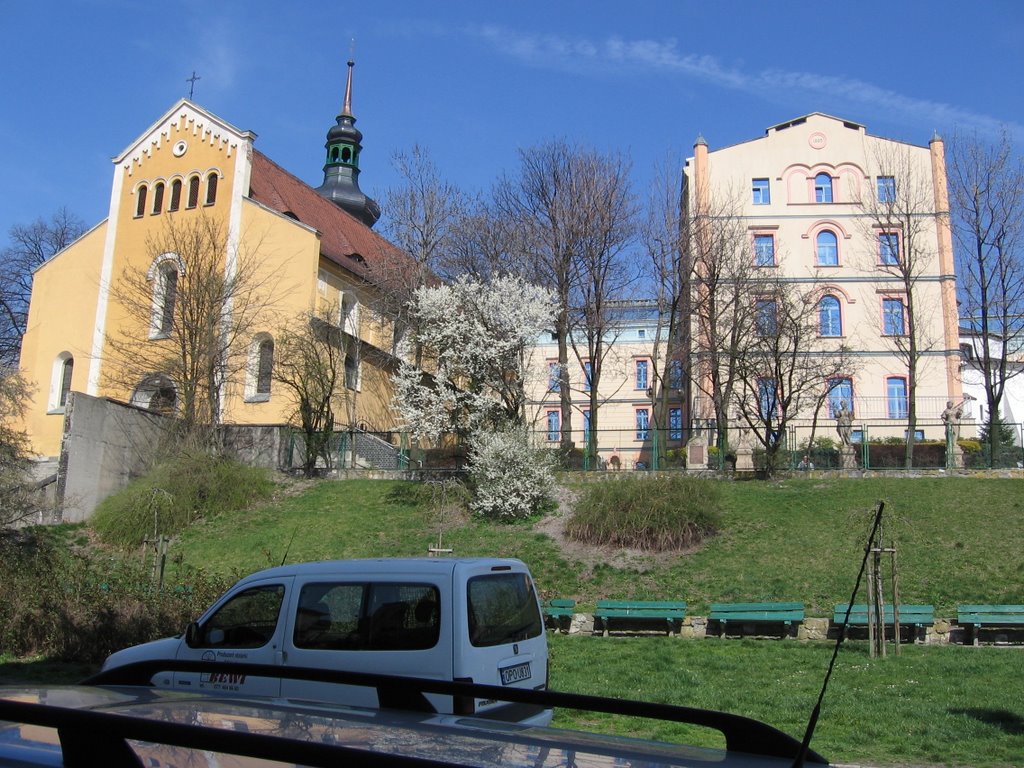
832,209
313,248
808,196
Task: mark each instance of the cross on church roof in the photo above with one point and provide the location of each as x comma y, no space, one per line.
192,83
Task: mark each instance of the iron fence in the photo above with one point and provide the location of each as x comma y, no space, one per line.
876,445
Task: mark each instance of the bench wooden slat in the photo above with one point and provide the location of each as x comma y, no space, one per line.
990,614
918,615
669,611
758,612
560,608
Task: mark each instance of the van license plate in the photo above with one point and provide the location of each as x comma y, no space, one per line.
515,674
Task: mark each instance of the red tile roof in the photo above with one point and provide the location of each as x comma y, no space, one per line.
343,238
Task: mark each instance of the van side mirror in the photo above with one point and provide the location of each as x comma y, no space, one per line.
192,634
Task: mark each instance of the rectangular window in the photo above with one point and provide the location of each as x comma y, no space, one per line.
886,189
554,383
586,426
554,421
765,320
893,317
762,194
767,398
889,248
764,250
643,423
503,609
641,333
588,374
896,397
368,617
840,391
641,374
675,374
675,423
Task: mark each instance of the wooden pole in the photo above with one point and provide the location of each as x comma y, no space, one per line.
872,628
895,598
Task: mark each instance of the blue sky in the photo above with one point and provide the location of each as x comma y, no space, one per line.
475,82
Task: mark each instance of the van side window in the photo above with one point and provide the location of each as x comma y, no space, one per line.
502,609
378,616
247,620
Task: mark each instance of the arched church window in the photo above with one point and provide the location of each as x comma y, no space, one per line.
140,204
60,386
158,197
260,368
156,393
193,192
211,189
175,203
167,296
265,367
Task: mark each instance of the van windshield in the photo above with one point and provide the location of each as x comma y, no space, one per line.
502,609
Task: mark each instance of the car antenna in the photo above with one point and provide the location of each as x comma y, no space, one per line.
806,743
288,548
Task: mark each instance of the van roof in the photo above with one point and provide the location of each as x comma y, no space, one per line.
387,566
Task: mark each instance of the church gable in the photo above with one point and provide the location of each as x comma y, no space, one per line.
183,128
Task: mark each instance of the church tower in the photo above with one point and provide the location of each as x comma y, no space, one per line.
341,170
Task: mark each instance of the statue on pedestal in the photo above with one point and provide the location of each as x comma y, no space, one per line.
844,426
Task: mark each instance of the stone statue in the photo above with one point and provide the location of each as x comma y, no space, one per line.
844,423
951,418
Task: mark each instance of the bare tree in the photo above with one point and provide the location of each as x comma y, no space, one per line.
663,234
607,220
987,197
783,370
555,204
718,254
190,316
423,219
30,245
900,224
309,362
18,502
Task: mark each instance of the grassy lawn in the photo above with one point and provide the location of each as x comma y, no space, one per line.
929,706
960,540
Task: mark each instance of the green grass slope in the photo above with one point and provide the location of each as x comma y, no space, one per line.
958,539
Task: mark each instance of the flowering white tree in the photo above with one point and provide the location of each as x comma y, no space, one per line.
512,477
475,334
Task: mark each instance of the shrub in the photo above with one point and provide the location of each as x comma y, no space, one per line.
72,605
175,493
510,477
650,513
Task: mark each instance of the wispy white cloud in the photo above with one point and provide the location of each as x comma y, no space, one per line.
555,52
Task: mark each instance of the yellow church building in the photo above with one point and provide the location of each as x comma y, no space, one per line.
306,250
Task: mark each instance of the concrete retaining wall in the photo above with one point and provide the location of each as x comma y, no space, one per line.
105,444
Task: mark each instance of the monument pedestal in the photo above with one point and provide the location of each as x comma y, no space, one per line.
847,457
744,459
697,453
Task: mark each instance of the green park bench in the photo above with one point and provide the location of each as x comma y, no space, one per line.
978,616
920,617
640,612
558,612
784,615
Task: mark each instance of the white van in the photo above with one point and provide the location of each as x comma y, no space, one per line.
474,620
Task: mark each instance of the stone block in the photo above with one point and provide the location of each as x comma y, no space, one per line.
813,629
